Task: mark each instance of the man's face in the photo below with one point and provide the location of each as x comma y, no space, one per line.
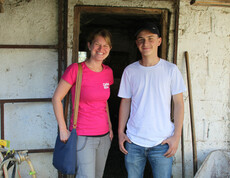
148,43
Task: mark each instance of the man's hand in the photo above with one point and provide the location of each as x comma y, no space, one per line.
64,135
122,138
173,143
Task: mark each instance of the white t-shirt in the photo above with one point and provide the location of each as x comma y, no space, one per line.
150,90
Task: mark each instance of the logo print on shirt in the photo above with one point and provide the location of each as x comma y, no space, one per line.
106,85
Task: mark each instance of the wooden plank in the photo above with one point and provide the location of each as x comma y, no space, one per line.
3,101
176,31
210,2
118,10
60,37
65,33
164,34
2,121
76,32
29,46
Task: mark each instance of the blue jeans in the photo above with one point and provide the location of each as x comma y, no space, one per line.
137,156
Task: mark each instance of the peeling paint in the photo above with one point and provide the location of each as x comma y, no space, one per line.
15,3
208,132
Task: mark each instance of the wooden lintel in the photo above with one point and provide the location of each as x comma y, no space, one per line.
3,101
210,2
29,46
118,10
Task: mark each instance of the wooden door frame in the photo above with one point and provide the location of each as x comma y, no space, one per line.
78,9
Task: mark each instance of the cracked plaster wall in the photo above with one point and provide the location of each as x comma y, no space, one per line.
204,33
29,73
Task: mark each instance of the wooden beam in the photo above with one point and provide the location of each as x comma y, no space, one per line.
164,34
29,46
176,31
60,37
1,6
117,10
210,2
76,32
2,121
25,100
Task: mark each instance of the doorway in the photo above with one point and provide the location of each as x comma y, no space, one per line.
122,23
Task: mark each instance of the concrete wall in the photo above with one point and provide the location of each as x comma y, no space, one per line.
203,32
29,73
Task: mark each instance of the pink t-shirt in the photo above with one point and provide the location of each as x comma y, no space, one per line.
95,91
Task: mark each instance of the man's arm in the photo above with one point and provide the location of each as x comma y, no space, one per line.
173,141
123,118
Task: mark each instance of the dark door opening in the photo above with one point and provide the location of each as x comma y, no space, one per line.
122,23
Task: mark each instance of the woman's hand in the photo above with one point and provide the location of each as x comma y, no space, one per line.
111,134
64,135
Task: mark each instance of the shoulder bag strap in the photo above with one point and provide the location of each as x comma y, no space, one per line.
77,94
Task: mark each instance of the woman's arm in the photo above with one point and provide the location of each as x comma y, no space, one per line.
60,92
110,124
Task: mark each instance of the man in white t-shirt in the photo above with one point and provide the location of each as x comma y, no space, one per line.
146,89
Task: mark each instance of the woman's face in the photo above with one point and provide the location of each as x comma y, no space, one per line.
99,48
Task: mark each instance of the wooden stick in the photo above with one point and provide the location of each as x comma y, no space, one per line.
182,153
194,147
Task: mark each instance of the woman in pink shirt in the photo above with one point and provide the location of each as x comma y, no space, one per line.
94,127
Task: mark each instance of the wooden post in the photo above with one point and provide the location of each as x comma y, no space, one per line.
194,147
